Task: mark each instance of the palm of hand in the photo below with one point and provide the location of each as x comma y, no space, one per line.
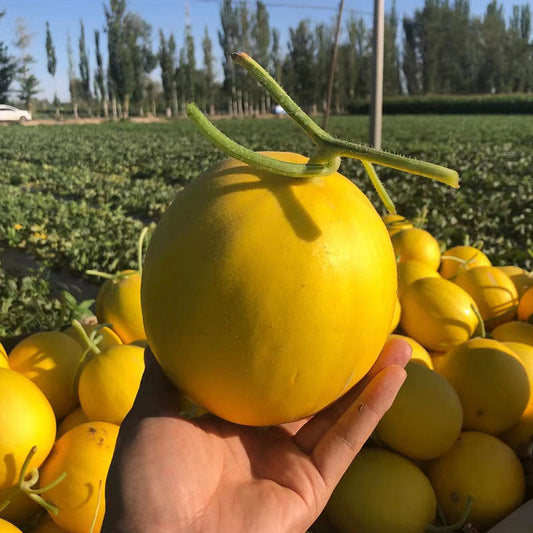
170,474
223,467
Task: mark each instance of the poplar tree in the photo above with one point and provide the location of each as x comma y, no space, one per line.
301,62
276,60
518,49
167,72
243,81
181,80
172,52
492,72
139,56
209,75
72,85
391,59
261,47
8,68
410,64
463,48
191,65
28,83
324,52
99,75
121,70
348,59
51,64
228,40
84,68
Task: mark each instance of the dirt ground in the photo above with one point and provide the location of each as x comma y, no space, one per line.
95,120
140,120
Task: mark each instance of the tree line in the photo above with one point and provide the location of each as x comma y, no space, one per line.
440,49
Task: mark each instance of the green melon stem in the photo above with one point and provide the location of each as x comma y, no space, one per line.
462,266
255,159
89,347
421,218
25,485
87,342
308,125
405,164
459,524
140,243
50,485
11,493
326,158
106,275
458,259
380,189
79,369
483,331
100,274
98,502
63,313
339,147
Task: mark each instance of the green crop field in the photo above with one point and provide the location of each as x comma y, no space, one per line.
76,197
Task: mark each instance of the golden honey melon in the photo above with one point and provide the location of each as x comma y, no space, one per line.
437,313
264,297
491,381
484,468
493,291
459,258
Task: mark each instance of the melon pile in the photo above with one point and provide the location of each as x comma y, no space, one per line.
63,396
454,447
450,451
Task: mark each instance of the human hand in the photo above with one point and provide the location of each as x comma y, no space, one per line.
171,475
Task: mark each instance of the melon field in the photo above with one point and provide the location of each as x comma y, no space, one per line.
74,198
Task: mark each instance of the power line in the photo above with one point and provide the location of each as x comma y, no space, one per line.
288,5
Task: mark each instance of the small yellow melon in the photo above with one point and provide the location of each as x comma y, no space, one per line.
426,417
491,382
382,492
483,467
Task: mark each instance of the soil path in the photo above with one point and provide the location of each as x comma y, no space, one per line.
139,120
17,262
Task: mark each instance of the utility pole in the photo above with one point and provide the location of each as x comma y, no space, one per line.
333,67
376,104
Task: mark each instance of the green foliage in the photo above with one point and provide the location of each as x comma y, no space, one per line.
99,75
8,68
166,62
85,76
449,51
208,74
120,71
28,304
300,67
29,87
76,197
449,104
51,60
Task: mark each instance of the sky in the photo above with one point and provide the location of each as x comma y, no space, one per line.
169,15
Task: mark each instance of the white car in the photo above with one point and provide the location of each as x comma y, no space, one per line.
12,114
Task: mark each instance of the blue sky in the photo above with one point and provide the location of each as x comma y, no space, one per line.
64,17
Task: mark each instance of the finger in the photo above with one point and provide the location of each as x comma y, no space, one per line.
156,396
396,352
336,450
